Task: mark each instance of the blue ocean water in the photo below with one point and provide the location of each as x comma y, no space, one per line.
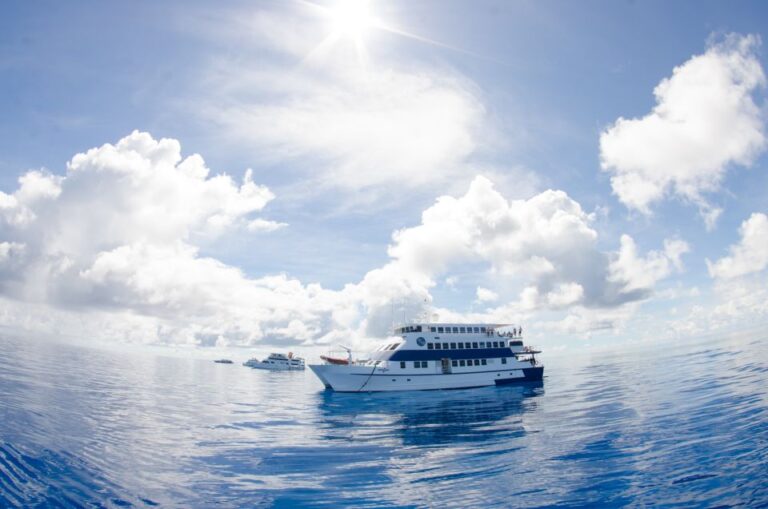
663,425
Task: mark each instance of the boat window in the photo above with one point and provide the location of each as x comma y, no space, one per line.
433,329
395,345
482,344
402,364
462,329
437,346
462,362
482,329
461,345
416,364
477,362
418,328
495,344
503,360
445,346
447,330
483,362
454,363
456,330
439,329
477,329
453,346
474,345
430,346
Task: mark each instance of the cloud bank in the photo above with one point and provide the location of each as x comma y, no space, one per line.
704,121
116,240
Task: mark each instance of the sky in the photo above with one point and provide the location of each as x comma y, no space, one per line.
302,174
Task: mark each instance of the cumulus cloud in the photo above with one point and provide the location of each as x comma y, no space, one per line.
636,272
749,255
545,243
116,238
118,233
486,295
704,121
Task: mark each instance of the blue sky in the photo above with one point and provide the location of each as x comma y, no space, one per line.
347,147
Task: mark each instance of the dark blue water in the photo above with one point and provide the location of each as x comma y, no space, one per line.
682,426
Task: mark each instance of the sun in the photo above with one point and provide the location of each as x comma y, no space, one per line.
351,21
351,18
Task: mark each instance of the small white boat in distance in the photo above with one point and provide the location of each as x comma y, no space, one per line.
277,362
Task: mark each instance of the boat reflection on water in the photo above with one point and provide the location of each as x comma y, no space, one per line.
429,417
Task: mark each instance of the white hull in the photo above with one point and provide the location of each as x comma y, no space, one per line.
275,367
362,378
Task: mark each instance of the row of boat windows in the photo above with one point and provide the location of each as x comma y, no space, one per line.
475,344
455,363
446,330
458,330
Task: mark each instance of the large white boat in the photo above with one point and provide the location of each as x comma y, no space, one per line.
438,356
277,362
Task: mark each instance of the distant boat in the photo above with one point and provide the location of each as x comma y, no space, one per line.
428,356
223,361
277,362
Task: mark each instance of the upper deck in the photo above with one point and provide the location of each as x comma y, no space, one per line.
433,341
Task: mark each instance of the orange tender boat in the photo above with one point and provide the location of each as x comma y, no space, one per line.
334,360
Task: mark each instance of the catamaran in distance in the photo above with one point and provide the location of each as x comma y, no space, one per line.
437,356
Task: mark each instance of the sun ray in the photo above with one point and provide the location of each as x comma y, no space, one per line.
352,19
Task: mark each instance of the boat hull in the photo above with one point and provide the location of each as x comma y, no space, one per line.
275,367
360,378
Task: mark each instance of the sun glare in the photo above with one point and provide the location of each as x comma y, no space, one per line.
350,21
351,17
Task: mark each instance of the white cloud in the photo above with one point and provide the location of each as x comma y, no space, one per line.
486,295
117,237
546,242
379,127
636,272
749,255
705,119
565,295
388,128
117,233
264,225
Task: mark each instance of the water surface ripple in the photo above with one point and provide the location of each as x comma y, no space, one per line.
685,426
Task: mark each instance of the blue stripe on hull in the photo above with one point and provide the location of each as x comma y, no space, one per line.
529,375
453,373
434,355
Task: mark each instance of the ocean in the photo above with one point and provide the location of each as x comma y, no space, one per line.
681,424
